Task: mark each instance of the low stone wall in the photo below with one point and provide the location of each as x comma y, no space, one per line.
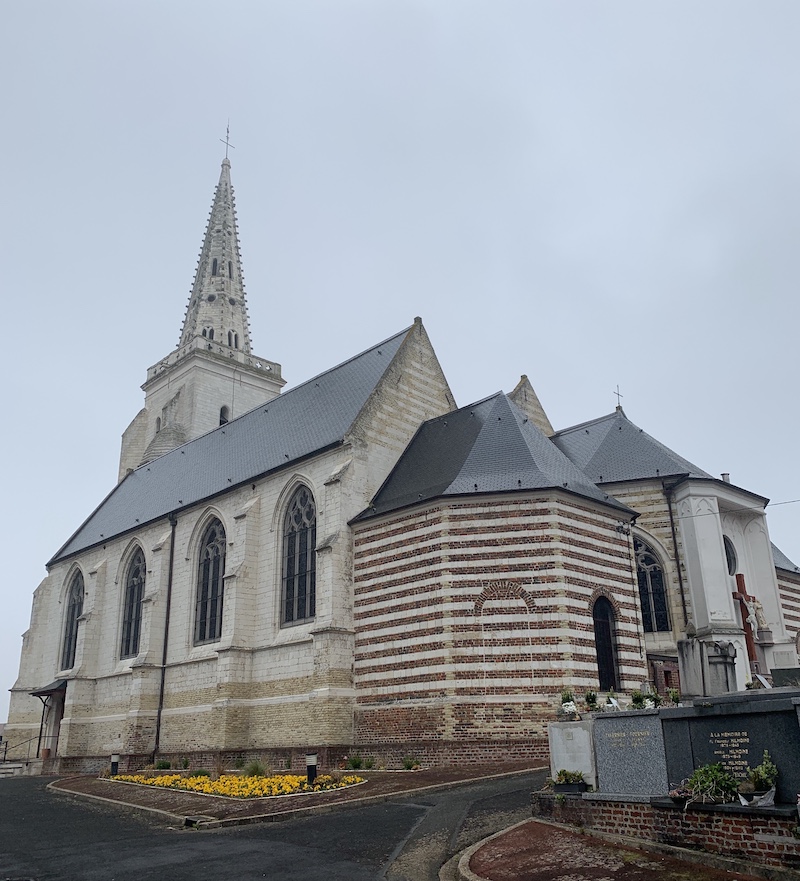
429,753
769,836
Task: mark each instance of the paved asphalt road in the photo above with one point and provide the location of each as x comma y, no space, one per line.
44,836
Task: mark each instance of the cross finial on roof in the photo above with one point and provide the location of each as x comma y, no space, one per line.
227,140
619,395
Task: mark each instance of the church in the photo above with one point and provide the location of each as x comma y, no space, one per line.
360,566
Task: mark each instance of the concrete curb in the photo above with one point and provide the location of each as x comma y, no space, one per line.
197,821
111,801
464,871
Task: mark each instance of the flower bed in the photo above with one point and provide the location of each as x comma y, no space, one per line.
237,786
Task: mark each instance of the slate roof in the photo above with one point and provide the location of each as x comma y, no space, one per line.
781,561
612,449
487,447
298,423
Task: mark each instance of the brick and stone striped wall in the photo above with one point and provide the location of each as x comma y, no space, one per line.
472,615
789,591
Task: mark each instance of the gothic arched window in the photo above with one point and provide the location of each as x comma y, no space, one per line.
652,589
132,606
299,557
210,574
224,415
730,555
230,269
74,611
214,266
605,643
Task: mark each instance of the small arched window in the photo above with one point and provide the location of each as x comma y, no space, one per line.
214,266
224,415
132,606
605,644
652,590
230,269
74,611
210,585
211,333
205,332
299,557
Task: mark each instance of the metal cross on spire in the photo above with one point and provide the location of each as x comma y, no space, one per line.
227,140
619,395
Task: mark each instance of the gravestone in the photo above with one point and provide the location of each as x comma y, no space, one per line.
735,730
629,753
571,749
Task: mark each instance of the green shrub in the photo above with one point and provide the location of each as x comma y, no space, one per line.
354,762
184,763
200,772
765,775
674,695
254,769
590,699
712,783
369,763
410,763
163,765
637,700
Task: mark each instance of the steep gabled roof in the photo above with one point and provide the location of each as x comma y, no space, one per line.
307,419
612,449
487,447
781,561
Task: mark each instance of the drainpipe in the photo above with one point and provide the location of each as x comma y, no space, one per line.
173,522
668,490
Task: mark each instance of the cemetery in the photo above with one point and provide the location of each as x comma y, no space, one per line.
685,775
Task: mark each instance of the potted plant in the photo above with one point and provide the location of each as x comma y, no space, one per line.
712,784
568,705
590,699
569,781
760,779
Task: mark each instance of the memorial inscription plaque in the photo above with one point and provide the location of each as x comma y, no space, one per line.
629,753
735,731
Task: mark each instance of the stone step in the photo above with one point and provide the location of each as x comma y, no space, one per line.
11,769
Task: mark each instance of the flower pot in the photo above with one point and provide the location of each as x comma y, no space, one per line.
571,787
45,753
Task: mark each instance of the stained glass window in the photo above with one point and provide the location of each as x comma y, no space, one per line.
299,557
210,586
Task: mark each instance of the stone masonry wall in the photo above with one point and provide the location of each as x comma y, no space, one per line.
789,590
472,615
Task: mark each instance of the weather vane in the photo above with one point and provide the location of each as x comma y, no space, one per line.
617,393
227,140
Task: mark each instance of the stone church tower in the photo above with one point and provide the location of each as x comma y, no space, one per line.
212,376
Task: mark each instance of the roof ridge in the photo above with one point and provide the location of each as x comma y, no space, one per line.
591,422
306,382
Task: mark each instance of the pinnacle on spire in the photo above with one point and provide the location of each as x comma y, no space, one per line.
217,306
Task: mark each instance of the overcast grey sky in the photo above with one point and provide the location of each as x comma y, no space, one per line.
590,193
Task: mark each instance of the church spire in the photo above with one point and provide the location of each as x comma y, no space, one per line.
213,375
217,307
